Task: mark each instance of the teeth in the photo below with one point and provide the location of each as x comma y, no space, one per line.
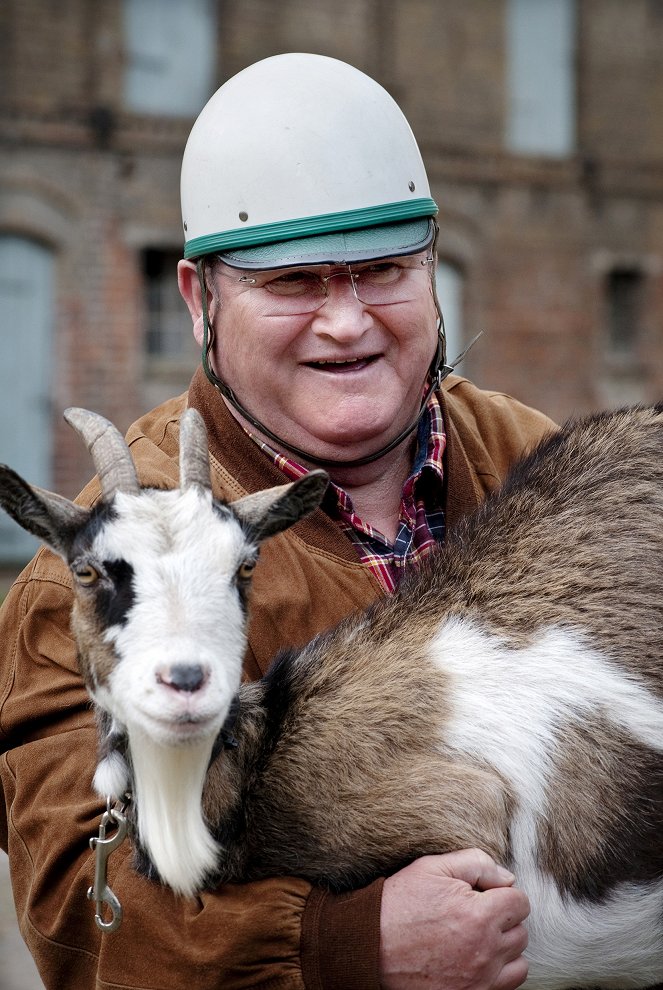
344,361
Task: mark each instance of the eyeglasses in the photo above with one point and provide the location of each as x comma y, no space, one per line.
296,291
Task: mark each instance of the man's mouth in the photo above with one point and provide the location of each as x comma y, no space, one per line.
342,364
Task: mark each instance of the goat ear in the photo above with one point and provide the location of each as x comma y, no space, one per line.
48,516
275,509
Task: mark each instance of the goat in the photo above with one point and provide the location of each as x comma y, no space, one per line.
508,696
160,582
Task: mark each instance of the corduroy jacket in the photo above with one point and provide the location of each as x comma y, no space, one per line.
278,933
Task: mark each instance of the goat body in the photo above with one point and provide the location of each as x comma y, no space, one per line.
509,696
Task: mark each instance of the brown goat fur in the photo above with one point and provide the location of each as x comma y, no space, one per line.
345,773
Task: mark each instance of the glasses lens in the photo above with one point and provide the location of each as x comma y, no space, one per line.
390,282
297,291
292,292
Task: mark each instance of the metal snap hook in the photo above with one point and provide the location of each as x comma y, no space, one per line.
102,847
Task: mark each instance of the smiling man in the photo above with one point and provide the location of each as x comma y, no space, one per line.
336,358
309,276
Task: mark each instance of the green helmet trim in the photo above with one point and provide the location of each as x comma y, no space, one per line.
283,230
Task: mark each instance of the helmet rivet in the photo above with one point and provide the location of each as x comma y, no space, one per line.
243,216
185,226
410,185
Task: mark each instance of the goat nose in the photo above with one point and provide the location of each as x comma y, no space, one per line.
183,677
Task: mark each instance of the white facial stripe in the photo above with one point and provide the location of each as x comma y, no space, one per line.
158,524
186,607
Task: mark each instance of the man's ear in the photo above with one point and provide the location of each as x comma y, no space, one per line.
189,286
275,509
48,516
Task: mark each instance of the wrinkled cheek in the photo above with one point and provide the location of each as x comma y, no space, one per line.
265,386
241,369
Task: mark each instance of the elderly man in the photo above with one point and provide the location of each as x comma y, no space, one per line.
309,276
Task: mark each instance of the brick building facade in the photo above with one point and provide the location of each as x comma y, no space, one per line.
551,225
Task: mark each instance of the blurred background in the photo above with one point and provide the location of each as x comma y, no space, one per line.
540,121
541,124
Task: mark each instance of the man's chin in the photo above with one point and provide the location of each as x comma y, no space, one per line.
344,444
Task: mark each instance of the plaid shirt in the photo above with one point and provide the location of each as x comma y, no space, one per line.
421,518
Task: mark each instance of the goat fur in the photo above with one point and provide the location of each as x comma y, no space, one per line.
509,696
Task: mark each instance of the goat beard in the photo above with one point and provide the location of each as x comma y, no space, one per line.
168,786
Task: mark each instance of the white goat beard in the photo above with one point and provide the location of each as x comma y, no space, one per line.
168,787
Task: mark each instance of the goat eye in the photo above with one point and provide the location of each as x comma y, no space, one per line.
245,570
86,575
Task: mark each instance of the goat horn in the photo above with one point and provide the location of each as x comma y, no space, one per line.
109,450
194,455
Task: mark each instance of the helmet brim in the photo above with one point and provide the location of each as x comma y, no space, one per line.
337,248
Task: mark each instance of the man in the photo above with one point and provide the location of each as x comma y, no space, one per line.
308,273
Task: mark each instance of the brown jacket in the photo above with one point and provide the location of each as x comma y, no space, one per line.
275,933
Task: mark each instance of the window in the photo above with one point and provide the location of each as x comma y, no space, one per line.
169,343
26,330
170,48
625,375
624,296
449,283
540,46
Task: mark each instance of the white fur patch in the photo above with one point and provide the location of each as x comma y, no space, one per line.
168,785
614,944
507,706
111,777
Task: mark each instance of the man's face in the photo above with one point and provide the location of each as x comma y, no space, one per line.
348,375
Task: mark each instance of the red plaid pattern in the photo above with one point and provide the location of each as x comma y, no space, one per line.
421,522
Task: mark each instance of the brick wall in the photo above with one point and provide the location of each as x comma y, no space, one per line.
533,237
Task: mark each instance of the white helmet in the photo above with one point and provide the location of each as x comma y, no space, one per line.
302,158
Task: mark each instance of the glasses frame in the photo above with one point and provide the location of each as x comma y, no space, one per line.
260,279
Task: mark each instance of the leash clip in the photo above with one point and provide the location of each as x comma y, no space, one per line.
102,847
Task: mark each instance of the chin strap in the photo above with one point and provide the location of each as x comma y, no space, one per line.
437,372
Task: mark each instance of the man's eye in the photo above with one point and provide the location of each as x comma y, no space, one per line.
383,274
294,284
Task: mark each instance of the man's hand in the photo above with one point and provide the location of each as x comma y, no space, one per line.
453,922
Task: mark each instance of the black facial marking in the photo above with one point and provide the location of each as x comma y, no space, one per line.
243,592
225,513
115,595
222,510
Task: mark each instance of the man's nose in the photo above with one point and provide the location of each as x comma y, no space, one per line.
343,316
